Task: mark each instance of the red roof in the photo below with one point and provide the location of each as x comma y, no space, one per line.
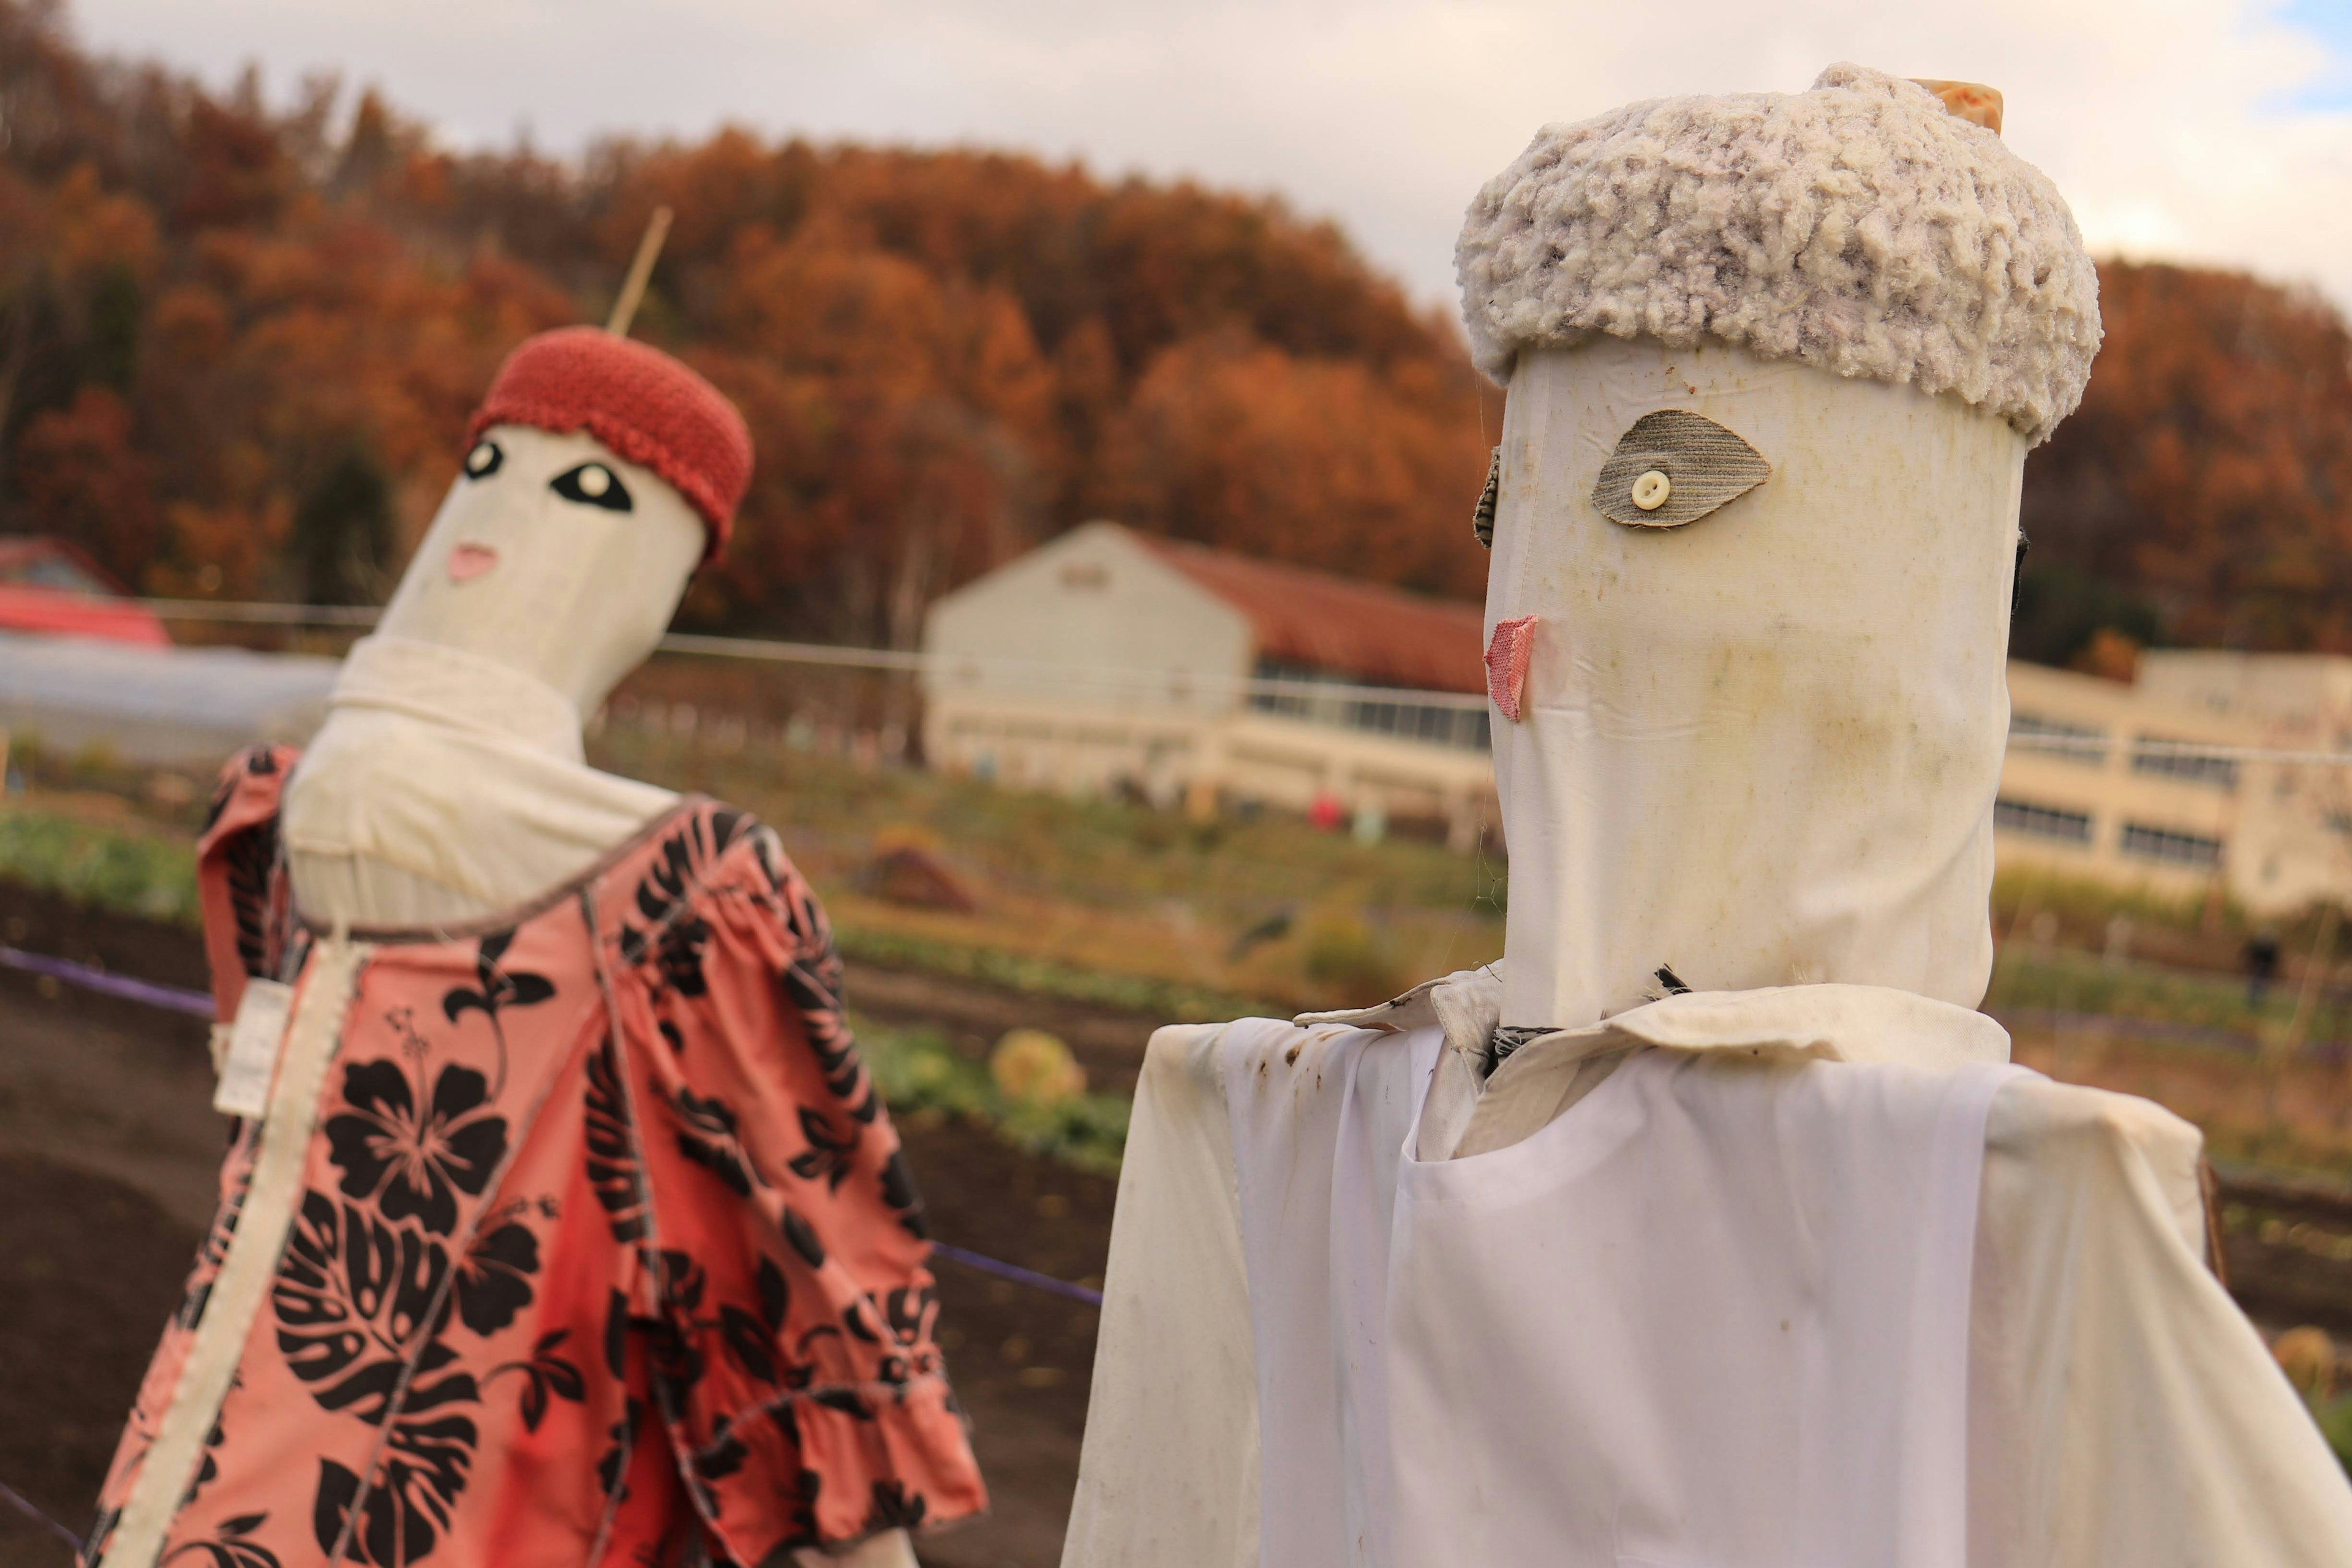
48,587
1374,634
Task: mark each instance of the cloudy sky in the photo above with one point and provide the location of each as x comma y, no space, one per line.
2216,130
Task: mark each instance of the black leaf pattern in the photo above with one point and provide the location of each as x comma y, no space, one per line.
830,1154
709,1140
613,1170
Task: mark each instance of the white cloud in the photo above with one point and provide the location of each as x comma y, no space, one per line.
2170,124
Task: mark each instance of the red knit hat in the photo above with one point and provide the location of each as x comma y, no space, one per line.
636,400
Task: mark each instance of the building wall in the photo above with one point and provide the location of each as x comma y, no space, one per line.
1158,710
2302,700
2274,835
1090,601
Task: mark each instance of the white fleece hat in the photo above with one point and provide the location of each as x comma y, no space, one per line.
1859,227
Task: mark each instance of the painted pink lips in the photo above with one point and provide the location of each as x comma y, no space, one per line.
468,562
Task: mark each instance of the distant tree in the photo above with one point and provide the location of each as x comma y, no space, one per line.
84,479
2209,471
342,542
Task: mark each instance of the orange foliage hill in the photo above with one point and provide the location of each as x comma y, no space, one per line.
238,344
210,311
2209,472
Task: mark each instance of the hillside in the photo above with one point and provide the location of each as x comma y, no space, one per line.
238,344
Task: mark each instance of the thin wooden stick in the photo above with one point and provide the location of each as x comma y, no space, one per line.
641,271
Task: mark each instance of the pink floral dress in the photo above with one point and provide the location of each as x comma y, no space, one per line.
605,1252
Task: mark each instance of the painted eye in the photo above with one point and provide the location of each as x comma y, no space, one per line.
594,484
484,460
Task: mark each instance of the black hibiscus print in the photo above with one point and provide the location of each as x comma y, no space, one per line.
830,1154
612,1469
895,1508
546,1377
413,1160
810,1485
911,1310
500,989
228,1548
671,1338
494,1277
673,935
750,1338
898,1192
613,1169
708,1139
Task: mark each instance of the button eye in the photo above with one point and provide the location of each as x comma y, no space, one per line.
484,460
1674,466
594,484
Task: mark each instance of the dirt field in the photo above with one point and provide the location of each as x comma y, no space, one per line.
108,1153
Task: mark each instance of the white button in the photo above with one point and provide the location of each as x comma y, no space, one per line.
1651,490
594,480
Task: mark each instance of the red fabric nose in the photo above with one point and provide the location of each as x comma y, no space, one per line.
1507,663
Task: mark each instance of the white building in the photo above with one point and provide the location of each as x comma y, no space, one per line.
1109,659
2111,802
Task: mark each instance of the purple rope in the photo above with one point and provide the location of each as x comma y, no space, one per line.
11,1496
1013,1272
171,998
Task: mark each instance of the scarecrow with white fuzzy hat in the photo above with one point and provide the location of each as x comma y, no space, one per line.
1711,1225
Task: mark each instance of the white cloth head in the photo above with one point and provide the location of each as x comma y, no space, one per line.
1760,747
518,569
448,783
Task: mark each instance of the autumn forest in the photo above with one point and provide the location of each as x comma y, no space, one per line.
239,340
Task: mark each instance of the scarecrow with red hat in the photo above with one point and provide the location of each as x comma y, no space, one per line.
562,1223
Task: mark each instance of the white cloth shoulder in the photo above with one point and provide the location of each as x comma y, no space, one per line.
1169,1472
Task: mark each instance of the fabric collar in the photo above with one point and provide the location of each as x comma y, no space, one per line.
444,685
1469,1110
1834,1022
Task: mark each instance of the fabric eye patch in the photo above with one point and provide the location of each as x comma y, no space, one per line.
1674,466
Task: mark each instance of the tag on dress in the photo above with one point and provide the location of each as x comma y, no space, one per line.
243,1087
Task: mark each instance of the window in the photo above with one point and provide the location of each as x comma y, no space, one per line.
2073,743
2221,772
2042,821
1462,727
2172,848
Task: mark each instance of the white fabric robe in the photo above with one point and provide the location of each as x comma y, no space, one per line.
2119,1409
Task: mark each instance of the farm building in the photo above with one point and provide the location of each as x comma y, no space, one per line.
2107,797
1108,660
